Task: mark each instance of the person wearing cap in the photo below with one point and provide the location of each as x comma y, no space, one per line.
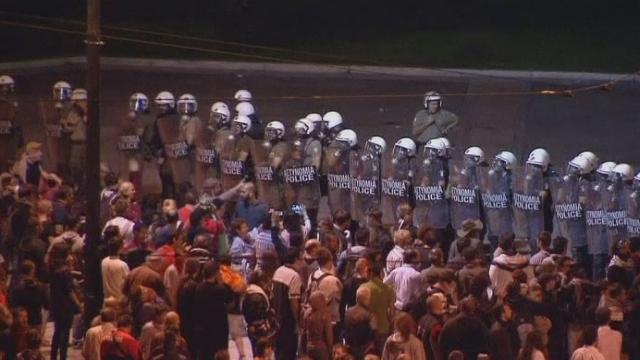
29,167
468,236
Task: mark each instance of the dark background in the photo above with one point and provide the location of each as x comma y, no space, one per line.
572,34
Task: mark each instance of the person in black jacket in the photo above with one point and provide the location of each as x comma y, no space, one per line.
64,303
503,337
30,294
465,332
212,299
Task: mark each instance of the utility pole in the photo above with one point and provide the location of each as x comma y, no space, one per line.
93,279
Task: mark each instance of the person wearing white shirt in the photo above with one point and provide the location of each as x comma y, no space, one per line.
405,280
588,351
395,257
609,340
125,225
114,270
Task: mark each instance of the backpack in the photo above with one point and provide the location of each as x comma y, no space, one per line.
314,284
346,268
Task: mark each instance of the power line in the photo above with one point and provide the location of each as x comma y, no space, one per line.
546,92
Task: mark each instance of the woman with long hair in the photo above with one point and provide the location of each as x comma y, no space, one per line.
533,348
403,342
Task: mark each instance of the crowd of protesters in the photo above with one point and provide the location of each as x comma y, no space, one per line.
219,275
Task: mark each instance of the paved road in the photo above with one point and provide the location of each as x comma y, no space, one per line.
606,122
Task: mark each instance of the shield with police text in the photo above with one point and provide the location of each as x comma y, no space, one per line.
528,209
364,172
268,160
615,203
52,114
397,174
205,154
567,195
429,189
633,213
336,156
175,146
8,136
300,174
234,151
496,191
596,219
465,194
131,142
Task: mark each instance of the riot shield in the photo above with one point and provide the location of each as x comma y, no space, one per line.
234,151
268,160
336,156
615,204
131,145
633,213
465,194
595,219
528,211
429,189
52,114
395,186
568,211
497,198
365,174
206,157
9,141
176,148
301,177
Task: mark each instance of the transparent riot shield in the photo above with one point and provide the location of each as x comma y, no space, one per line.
268,160
633,213
395,184
336,157
429,187
176,148
596,219
528,211
301,177
568,210
616,196
465,194
365,174
206,156
497,198
8,138
131,146
234,151
52,114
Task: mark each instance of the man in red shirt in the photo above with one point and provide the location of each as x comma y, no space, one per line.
120,344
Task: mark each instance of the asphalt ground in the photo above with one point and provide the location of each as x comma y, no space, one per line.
605,122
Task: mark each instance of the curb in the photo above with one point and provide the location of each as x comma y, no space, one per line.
309,69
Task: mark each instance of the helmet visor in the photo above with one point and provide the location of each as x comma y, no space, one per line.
138,105
187,107
271,134
62,93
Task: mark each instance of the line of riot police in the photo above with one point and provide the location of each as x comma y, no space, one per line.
595,206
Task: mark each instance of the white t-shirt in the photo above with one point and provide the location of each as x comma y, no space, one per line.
114,273
124,225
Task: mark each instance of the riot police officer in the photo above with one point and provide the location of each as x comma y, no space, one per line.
54,112
11,139
432,121
269,159
301,171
